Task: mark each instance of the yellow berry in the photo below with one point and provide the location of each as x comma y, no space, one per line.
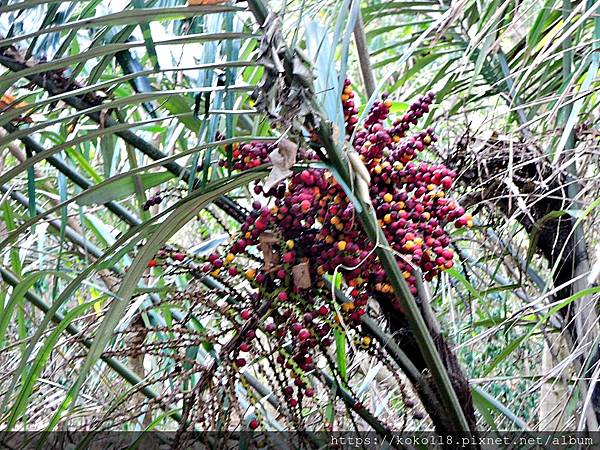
469,218
388,197
230,257
348,306
341,246
250,274
215,273
387,218
290,244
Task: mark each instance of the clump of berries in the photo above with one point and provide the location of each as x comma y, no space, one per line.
308,229
247,156
350,109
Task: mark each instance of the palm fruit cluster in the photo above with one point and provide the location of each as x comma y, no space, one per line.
306,227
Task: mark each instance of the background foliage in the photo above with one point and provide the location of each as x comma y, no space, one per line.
108,104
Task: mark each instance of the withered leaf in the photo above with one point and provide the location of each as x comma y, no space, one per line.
271,258
285,101
282,158
301,275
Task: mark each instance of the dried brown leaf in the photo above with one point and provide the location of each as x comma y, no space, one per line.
301,275
282,158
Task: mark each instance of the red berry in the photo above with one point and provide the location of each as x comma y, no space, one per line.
288,257
305,206
446,183
303,334
288,391
253,424
448,254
